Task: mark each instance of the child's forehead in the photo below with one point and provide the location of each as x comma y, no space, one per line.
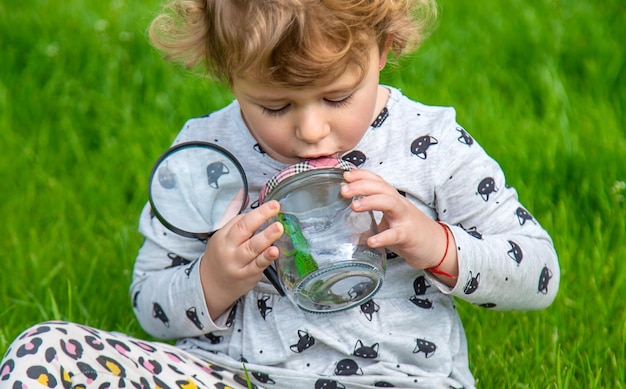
344,76
263,89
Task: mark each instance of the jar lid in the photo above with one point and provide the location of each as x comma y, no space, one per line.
301,167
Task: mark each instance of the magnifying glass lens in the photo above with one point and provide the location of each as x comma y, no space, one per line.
196,188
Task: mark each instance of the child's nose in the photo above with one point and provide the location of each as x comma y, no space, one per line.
312,127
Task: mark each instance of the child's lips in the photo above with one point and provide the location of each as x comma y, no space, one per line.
318,156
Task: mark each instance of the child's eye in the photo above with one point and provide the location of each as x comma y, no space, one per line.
275,111
339,103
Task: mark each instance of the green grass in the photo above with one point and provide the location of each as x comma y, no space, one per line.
86,106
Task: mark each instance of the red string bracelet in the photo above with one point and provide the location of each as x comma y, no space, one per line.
435,269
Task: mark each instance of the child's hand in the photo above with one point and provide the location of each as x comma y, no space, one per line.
235,257
404,229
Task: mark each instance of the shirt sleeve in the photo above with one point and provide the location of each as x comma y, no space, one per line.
166,290
507,261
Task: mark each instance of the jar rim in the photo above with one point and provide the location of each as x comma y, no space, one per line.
323,163
313,176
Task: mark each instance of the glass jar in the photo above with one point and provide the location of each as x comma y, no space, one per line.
325,264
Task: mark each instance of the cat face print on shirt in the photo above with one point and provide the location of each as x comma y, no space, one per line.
420,146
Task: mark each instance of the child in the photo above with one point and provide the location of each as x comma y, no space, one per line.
305,74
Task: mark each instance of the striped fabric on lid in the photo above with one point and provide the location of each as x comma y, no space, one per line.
310,164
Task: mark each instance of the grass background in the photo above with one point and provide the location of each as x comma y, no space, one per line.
86,107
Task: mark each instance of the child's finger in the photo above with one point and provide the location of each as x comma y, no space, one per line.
266,258
360,174
367,187
386,238
258,243
390,205
245,226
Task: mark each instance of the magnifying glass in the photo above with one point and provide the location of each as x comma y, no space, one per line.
196,188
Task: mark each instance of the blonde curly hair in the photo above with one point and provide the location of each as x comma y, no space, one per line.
287,42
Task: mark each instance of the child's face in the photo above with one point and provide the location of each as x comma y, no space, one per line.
292,124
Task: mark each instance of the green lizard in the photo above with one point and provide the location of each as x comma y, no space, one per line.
301,252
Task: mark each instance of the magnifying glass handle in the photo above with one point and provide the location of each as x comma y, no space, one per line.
272,275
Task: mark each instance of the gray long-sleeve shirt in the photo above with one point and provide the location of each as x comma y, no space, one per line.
409,334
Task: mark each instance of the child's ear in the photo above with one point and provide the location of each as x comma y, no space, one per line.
382,60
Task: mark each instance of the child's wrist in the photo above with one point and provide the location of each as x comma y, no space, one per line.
438,268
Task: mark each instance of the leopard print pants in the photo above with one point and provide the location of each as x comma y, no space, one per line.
68,355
